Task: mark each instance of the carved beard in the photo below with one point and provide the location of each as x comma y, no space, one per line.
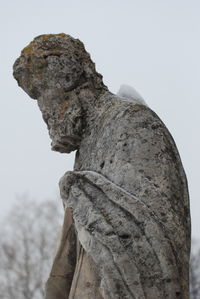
65,122
66,138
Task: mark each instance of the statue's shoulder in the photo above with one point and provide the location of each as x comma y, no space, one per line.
139,122
135,114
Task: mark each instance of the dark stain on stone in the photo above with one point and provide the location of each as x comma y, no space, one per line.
88,284
125,236
178,294
102,164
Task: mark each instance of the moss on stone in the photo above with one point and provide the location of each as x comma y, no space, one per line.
30,49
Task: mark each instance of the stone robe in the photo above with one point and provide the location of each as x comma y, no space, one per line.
128,198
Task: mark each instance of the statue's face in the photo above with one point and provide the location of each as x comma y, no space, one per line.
52,80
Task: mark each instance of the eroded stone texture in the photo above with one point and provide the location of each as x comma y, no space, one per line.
127,233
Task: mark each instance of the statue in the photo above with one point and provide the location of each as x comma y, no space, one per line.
126,232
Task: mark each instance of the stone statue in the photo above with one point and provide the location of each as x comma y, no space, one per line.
126,232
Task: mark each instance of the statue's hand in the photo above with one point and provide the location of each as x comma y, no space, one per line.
118,230
66,182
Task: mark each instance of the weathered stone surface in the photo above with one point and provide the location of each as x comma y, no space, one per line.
128,191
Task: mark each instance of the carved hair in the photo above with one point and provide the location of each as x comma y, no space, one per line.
54,58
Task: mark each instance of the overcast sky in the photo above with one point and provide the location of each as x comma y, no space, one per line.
152,45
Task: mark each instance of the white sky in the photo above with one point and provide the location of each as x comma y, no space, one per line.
151,45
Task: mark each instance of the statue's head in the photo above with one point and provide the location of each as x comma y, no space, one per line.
52,69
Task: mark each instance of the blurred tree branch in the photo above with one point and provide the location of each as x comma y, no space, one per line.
29,235
195,271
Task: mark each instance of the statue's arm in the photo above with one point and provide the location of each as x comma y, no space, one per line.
123,236
61,276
